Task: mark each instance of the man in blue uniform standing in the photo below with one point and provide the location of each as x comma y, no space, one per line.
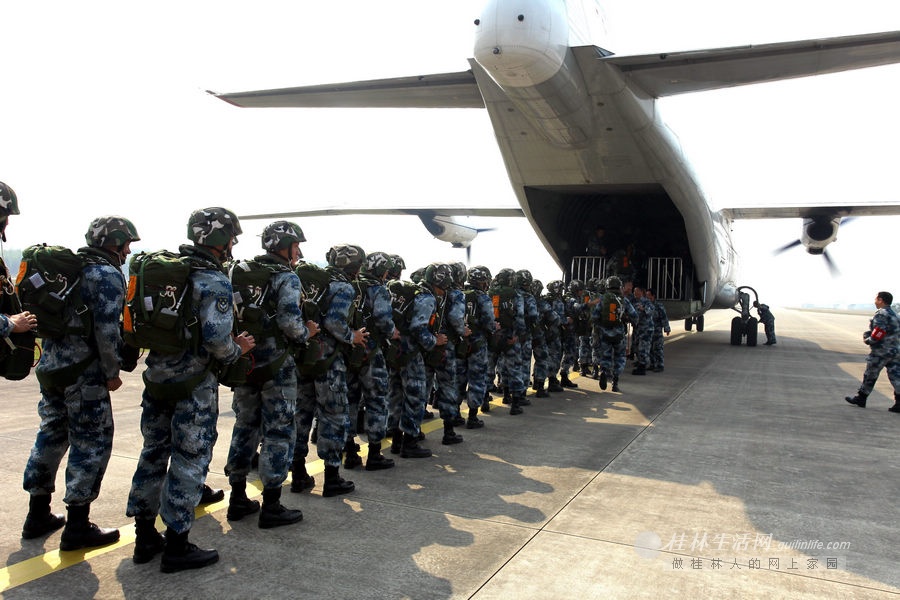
883,339
77,372
180,404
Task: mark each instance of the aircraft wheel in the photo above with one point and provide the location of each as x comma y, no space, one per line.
751,331
737,333
700,323
688,324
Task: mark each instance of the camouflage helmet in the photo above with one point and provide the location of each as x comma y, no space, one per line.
214,226
346,257
111,231
506,277
377,264
613,283
459,273
280,235
479,275
418,275
537,287
575,286
523,280
439,275
555,288
9,204
398,266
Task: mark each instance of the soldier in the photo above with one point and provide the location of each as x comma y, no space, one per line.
264,406
523,281
768,320
883,339
20,321
660,326
344,262
76,373
555,336
610,314
371,380
480,317
547,325
643,331
509,312
574,324
180,404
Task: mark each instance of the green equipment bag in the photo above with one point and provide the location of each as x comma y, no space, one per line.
49,285
311,359
254,300
611,310
403,294
157,305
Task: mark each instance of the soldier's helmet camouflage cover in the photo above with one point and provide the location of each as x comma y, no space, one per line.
439,275
479,275
398,268
214,226
537,287
111,231
555,288
377,264
347,257
506,277
280,235
575,286
418,275
613,283
523,280
9,205
459,273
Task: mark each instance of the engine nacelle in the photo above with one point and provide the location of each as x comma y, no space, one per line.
818,232
449,230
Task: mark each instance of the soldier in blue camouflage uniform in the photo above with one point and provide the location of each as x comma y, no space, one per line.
180,404
573,323
264,406
598,288
480,316
883,339
547,325
643,331
523,281
660,326
370,382
416,338
554,298
344,262
19,322
610,314
76,373
511,307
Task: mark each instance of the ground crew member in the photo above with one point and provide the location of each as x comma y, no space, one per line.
883,339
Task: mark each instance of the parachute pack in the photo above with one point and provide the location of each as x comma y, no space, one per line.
611,311
503,299
403,294
49,285
315,281
157,306
254,299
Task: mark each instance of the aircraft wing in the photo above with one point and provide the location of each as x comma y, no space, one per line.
446,90
667,74
416,211
830,210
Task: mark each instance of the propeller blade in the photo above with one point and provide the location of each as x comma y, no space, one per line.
468,255
832,268
793,244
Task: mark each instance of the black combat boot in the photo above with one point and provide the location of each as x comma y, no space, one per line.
896,407
211,495
376,461
39,520
596,372
351,455
473,422
397,442
639,369
335,485
148,541
859,399
553,385
486,403
507,397
516,406
450,436
412,449
523,400
179,554
79,532
615,386
301,481
538,387
565,382
239,505
603,380
274,513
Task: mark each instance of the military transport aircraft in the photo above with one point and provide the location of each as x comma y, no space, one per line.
583,143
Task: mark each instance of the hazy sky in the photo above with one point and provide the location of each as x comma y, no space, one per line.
104,111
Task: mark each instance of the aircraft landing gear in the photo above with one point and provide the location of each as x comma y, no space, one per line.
691,321
744,325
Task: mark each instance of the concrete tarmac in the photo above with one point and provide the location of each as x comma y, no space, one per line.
738,472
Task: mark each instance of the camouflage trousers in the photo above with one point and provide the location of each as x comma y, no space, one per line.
474,370
79,419
266,411
874,365
409,395
304,413
554,355
332,412
643,339
525,362
541,358
612,355
584,349
179,436
511,373
569,352
657,349
369,387
446,390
